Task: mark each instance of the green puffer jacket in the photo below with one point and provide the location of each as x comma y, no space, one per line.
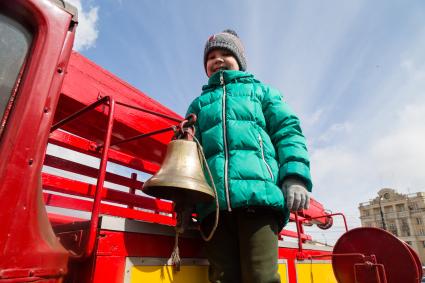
251,140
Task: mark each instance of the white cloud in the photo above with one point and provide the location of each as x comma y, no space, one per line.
412,69
383,146
87,29
356,169
311,120
401,152
336,130
333,166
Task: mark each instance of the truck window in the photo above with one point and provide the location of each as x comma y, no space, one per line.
15,41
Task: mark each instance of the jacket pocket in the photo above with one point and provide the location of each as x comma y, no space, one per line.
264,158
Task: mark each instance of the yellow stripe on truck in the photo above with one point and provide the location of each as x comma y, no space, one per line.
283,271
187,274
165,274
315,272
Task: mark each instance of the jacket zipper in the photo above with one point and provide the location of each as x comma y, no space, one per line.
226,154
264,158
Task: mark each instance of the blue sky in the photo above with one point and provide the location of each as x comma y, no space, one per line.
354,72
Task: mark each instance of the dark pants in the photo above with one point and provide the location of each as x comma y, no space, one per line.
244,247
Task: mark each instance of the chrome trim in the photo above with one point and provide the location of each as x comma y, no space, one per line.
294,245
128,225
313,261
127,270
71,9
162,261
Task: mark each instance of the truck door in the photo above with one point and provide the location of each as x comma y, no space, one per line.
36,38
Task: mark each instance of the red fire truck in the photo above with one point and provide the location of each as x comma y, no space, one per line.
107,137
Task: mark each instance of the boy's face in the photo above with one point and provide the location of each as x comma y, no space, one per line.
220,59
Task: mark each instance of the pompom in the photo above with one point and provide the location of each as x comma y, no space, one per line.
231,32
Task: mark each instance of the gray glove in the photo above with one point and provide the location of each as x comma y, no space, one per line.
296,194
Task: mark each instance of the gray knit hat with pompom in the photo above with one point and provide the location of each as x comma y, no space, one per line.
229,40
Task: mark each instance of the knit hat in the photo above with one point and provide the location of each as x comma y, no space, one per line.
229,40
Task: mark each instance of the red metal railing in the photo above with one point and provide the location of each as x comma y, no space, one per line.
56,183
300,230
94,220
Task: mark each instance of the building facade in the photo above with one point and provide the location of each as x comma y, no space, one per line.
402,215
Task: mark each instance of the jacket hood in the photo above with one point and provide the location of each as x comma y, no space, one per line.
228,76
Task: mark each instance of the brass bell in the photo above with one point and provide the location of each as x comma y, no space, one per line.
180,178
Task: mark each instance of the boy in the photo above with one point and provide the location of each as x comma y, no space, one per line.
257,156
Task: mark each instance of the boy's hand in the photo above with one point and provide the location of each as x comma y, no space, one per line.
296,194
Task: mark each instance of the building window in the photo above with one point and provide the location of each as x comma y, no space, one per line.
392,228
423,244
418,220
405,227
400,207
413,206
388,209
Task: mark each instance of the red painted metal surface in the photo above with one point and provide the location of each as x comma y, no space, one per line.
77,188
374,256
109,268
92,231
29,247
291,254
315,214
30,279
107,209
330,216
146,245
95,81
58,219
81,169
418,262
294,234
91,238
85,146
